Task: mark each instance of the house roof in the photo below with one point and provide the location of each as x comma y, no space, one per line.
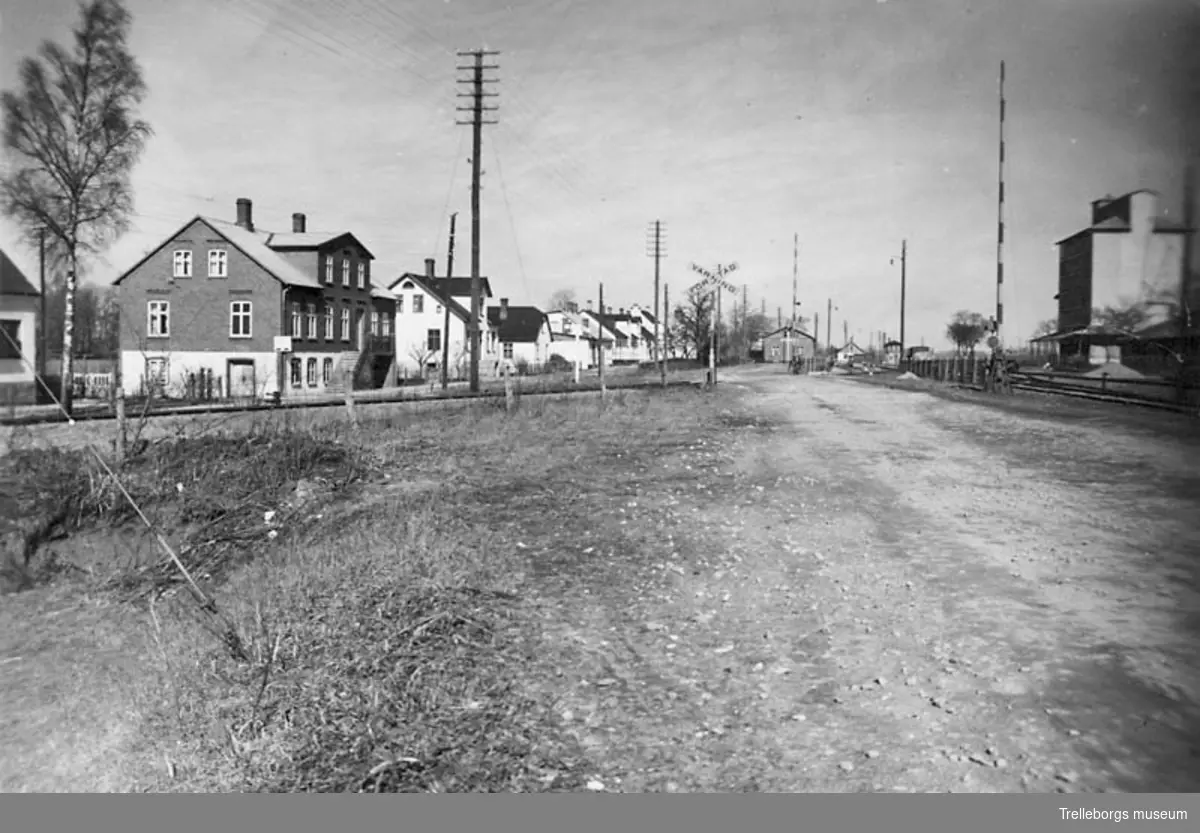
790,329
606,322
253,244
380,292
892,343
850,345
523,325
455,307
296,241
13,280
459,287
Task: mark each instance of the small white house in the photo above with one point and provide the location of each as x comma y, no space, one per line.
420,311
851,352
569,339
522,335
20,303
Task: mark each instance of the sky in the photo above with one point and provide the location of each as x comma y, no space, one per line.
854,124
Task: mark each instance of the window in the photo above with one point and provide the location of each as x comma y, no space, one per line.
508,351
183,263
327,368
345,271
438,309
328,269
418,302
310,373
156,373
239,319
311,314
362,274
10,339
567,324
218,263
400,304
433,340
374,322
158,319
329,322
297,369
386,323
295,319
345,323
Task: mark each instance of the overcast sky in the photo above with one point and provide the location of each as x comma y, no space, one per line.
854,123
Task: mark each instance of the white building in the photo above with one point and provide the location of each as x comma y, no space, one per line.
19,306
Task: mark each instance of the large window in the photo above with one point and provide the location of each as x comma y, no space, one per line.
345,323
362,274
183,263
218,263
345,271
297,370
10,339
158,319
296,323
433,340
329,322
326,371
418,302
311,314
311,373
374,322
240,319
328,268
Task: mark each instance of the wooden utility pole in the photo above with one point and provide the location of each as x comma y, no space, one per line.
845,332
477,110
999,218
903,289
795,274
42,341
666,328
714,281
1186,296
828,324
656,248
446,306
746,315
600,343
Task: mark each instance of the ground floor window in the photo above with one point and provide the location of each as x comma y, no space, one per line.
311,373
156,373
508,350
433,340
297,370
326,371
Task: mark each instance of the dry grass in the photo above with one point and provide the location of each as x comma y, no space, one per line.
388,643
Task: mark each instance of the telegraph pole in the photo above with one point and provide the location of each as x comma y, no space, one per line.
745,315
829,324
477,110
656,248
999,217
1185,281
446,306
903,286
666,327
600,343
42,305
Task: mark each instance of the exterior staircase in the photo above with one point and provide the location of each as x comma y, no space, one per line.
345,368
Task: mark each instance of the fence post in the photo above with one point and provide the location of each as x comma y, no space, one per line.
349,395
508,390
119,406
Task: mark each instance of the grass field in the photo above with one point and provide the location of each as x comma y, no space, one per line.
376,633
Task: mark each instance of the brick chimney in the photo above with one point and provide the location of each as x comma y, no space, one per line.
589,306
299,223
503,309
245,213
429,267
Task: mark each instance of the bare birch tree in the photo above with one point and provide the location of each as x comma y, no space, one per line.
72,137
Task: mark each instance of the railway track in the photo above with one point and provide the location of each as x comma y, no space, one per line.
100,413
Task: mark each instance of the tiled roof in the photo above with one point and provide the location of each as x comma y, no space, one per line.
254,244
522,326
789,328
459,287
312,240
380,292
12,280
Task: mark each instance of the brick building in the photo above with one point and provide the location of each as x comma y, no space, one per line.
224,309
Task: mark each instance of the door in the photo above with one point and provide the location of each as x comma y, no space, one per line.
360,330
240,378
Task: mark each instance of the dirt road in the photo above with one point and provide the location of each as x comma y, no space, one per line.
850,588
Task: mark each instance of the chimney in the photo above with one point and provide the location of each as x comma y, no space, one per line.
622,310
429,270
299,225
503,309
589,306
245,213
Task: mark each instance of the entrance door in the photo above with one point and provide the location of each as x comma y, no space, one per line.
360,333
240,378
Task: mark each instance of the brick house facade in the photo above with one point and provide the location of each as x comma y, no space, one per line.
223,309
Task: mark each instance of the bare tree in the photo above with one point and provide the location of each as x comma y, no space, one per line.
72,136
563,299
1045,328
966,329
420,353
692,322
